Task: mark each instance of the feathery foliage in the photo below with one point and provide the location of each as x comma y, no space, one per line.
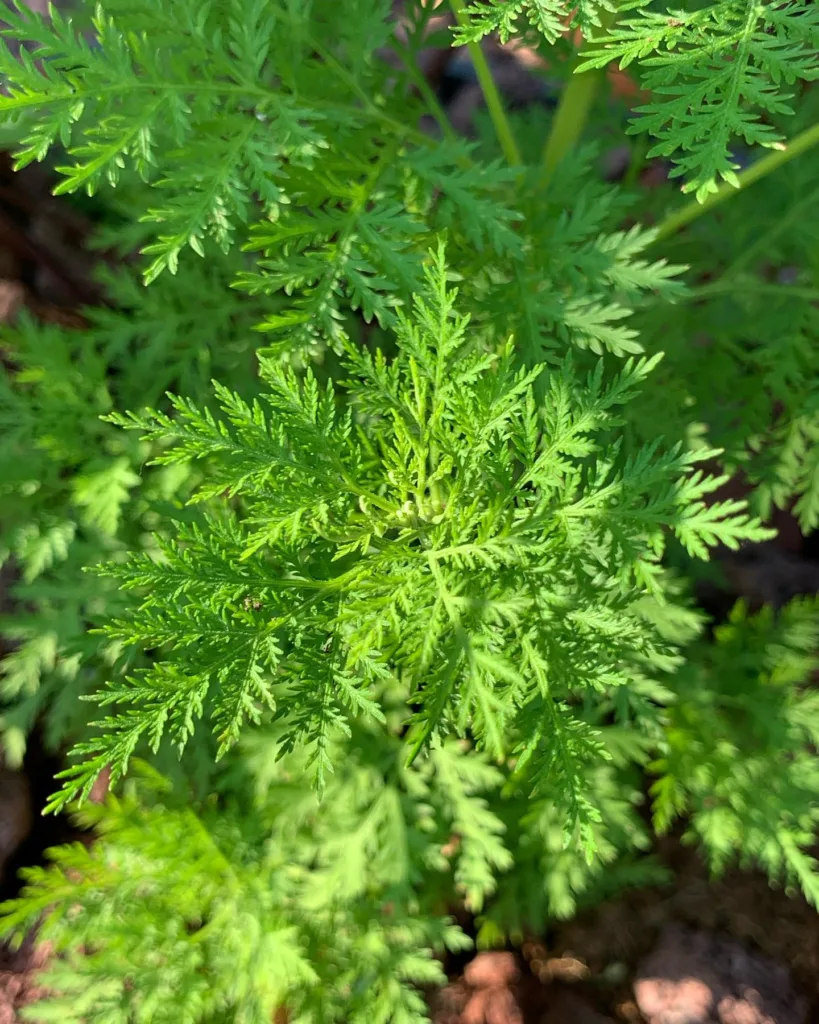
233,923
714,72
552,18
444,533
353,538
738,754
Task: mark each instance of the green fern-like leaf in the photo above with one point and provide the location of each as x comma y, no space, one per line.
444,529
715,74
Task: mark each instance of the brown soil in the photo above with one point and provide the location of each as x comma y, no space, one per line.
18,978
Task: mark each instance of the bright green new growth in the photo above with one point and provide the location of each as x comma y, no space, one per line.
446,534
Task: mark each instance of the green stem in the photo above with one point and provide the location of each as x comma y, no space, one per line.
636,163
781,226
373,499
733,287
490,91
426,91
573,109
691,211
754,287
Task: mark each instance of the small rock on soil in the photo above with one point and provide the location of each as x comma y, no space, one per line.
497,989
18,978
695,977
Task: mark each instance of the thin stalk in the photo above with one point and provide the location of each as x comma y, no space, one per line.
426,91
490,92
779,227
757,288
573,109
636,163
691,211
737,288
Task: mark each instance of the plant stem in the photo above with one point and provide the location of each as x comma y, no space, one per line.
636,163
691,211
573,109
753,287
490,92
781,226
426,91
